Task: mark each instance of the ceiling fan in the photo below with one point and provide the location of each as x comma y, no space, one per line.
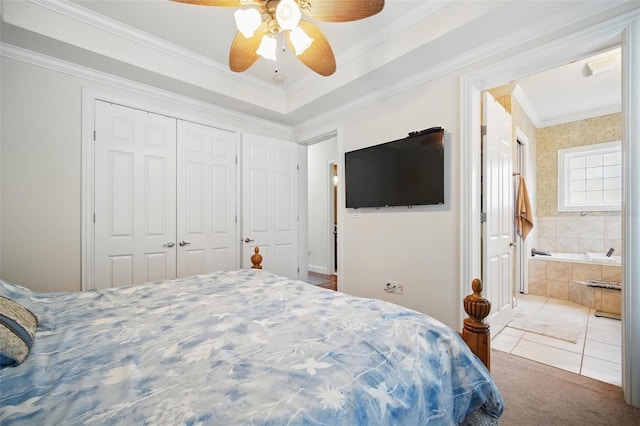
260,21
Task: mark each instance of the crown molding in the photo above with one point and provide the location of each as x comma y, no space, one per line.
532,40
526,106
419,12
598,112
54,64
72,24
94,19
525,39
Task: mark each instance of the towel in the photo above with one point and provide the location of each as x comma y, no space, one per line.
523,213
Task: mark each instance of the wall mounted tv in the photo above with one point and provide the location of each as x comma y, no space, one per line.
404,172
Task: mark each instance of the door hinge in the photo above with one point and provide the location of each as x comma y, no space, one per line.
94,135
236,160
483,217
483,130
94,218
236,219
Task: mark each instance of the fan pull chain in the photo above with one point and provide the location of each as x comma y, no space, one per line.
277,77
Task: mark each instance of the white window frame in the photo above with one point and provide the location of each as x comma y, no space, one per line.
564,158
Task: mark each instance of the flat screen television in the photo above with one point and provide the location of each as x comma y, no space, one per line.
404,172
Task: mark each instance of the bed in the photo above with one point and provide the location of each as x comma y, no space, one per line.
241,347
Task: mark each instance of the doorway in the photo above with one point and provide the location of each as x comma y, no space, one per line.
563,51
322,209
573,337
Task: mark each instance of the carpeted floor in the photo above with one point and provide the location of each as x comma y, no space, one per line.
537,394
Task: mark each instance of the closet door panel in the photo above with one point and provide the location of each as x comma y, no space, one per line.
206,221
134,187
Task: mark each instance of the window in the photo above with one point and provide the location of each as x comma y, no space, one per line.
590,177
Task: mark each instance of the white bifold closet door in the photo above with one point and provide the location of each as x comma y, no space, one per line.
206,220
165,197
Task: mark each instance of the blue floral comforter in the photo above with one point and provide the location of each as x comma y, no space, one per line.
244,347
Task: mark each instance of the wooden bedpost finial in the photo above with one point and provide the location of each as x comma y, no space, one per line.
477,307
476,286
475,330
256,259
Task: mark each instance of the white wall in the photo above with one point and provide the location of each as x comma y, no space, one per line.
320,213
419,246
41,197
41,178
41,170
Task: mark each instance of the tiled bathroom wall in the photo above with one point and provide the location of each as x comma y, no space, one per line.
579,234
573,232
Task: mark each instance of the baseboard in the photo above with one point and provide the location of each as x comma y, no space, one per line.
318,269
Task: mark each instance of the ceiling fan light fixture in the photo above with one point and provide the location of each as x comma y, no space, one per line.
300,40
262,20
267,47
288,14
247,21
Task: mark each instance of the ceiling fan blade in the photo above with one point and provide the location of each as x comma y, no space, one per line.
243,51
341,10
217,3
319,56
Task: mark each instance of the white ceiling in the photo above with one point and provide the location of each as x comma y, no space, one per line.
570,92
184,49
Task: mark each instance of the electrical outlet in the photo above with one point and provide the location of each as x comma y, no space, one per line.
394,287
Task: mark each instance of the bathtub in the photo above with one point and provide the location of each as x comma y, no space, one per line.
587,257
564,276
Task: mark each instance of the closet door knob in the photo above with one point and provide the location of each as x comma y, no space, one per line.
169,244
183,243
248,240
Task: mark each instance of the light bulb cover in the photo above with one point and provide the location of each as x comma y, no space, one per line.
267,47
288,14
247,21
300,40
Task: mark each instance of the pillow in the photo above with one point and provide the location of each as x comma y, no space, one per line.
17,330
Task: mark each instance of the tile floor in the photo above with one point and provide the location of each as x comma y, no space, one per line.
596,354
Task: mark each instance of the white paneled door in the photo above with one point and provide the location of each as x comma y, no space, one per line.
135,196
497,199
269,203
164,197
207,238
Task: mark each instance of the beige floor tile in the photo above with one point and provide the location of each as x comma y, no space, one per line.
603,323
602,370
597,354
512,332
603,351
548,355
604,335
504,342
